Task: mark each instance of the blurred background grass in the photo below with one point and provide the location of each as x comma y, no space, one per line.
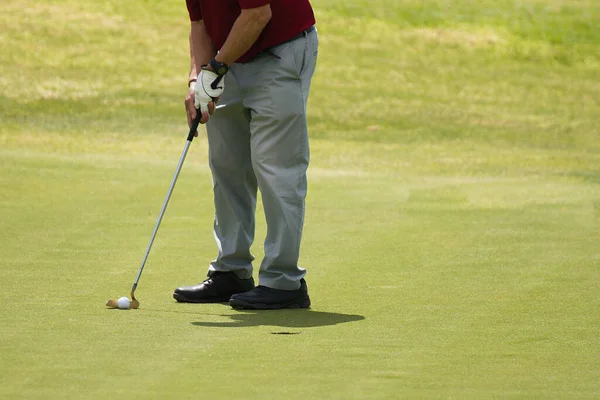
495,73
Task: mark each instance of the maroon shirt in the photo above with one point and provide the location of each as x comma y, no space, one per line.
288,19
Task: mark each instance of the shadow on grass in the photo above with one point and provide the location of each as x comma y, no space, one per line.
283,318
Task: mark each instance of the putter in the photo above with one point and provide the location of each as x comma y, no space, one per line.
112,303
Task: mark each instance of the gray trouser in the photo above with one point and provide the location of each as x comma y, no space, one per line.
259,140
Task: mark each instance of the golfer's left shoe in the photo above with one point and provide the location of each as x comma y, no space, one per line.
265,298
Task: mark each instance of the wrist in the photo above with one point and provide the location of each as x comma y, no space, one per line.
219,68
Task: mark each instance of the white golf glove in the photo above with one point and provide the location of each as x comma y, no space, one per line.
207,88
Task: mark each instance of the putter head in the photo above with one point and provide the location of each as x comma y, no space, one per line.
134,303
112,303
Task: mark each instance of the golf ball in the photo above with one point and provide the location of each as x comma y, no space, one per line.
123,303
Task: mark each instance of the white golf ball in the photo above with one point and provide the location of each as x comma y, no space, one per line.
123,303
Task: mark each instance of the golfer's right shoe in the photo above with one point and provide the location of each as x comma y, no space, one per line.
265,298
217,288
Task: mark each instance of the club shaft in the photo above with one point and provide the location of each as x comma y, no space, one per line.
190,137
162,212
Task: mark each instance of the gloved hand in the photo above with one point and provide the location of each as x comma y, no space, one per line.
208,88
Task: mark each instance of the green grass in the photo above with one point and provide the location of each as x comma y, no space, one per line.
453,213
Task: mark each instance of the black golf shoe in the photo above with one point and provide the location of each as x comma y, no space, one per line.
265,298
217,288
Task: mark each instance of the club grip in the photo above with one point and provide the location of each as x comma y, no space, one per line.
194,126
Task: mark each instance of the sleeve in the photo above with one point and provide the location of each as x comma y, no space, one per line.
194,10
253,3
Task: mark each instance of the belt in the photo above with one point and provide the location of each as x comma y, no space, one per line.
301,34
298,36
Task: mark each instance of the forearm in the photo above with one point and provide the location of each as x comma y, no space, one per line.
246,29
202,49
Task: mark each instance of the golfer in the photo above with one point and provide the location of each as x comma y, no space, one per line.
256,59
